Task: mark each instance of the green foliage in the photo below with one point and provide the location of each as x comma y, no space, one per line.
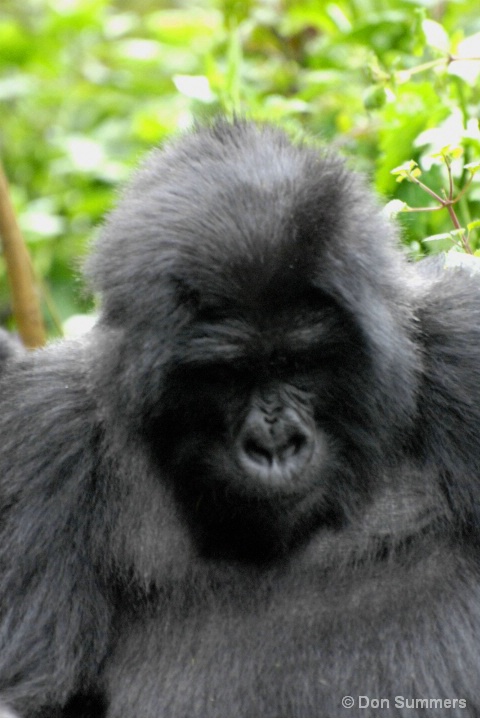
87,86
462,237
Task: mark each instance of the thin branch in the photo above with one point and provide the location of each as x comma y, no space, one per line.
25,301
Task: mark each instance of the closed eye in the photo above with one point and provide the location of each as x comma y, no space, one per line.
222,373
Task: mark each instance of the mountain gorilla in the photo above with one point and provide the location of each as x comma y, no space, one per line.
253,489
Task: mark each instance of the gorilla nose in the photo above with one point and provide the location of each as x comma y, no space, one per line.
266,450
276,448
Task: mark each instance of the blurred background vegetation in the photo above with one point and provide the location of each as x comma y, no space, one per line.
87,86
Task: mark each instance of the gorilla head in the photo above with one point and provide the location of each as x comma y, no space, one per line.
275,359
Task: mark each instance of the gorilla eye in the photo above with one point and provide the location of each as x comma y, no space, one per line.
221,373
304,361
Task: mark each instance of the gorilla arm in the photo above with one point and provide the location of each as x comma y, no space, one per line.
53,616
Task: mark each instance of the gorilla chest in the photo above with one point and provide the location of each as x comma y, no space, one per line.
292,648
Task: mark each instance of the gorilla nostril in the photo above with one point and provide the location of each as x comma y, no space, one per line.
293,446
265,451
257,452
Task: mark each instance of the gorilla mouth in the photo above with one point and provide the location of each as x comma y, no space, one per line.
248,529
258,510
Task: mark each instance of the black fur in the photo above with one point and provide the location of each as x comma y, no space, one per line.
253,488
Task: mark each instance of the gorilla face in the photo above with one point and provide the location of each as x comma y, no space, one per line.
253,402
247,431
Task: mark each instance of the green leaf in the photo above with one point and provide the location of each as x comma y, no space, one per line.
374,97
473,167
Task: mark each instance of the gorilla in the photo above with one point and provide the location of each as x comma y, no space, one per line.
252,490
